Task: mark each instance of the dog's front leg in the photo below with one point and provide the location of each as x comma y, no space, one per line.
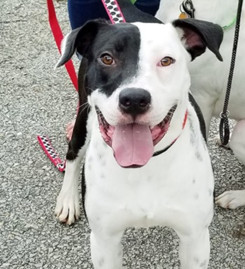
67,205
195,250
106,250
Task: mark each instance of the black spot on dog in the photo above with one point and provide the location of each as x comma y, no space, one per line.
100,156
198,156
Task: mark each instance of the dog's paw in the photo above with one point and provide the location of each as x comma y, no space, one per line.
231,199
67,208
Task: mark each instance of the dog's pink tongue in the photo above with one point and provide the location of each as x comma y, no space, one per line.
132,144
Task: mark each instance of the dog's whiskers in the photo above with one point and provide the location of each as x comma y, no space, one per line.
83,106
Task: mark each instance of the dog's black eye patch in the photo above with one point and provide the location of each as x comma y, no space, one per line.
113,58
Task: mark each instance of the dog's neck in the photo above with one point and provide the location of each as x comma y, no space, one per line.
158,152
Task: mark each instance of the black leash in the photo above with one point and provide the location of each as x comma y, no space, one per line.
224,128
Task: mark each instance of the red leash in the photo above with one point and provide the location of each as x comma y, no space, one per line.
43,140
58,36
51,153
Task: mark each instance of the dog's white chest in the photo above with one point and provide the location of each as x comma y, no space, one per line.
165,192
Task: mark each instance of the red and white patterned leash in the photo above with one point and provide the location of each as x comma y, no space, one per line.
113,10
115,14
51,153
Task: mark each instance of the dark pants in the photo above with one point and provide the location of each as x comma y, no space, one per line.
82,10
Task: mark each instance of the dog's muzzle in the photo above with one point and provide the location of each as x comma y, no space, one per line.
133,144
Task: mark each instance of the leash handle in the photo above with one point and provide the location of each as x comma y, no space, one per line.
113,10
224,128
58,36
51,153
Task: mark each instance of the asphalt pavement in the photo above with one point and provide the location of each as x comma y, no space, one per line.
36,99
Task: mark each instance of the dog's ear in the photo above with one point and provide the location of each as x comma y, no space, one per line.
197,35
79,40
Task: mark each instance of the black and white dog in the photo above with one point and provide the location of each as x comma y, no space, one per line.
146,160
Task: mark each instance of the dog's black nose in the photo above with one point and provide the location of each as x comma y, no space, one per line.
134,101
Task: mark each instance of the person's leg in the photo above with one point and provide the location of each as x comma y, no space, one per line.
82,10
148,6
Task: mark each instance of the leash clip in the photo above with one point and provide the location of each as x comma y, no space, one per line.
188,8
224,115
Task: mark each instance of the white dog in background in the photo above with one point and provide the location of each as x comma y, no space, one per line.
209,76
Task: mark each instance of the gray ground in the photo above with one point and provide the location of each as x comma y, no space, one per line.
35,99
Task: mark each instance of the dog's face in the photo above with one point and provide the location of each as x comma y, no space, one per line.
137,80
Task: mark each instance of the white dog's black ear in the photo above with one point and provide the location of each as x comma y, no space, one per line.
197,35
79,40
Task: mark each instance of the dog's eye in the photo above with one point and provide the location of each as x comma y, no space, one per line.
166,61
107,59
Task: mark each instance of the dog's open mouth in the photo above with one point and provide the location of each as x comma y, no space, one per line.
133,144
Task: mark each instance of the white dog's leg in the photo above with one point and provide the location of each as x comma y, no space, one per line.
231,199
237,142
195,250
106,250
67,206
234,199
